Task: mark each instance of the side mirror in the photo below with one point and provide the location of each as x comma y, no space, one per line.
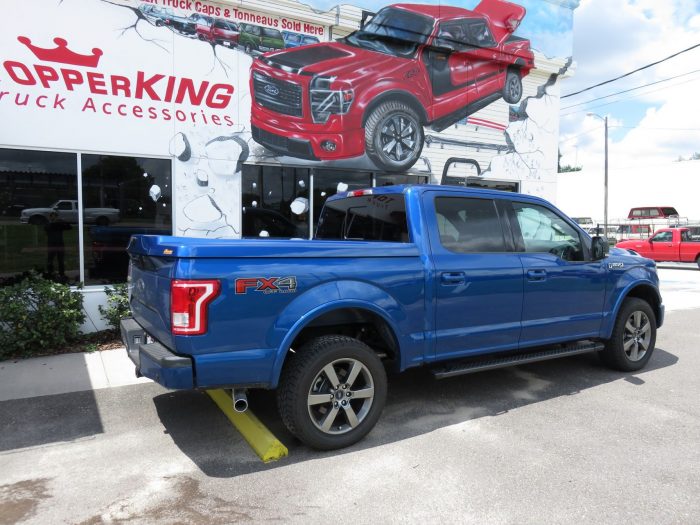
599,248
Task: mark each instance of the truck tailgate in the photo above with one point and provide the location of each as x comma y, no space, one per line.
150,294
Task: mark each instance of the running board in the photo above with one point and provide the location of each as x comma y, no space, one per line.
458,368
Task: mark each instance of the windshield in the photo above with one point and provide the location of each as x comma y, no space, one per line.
394,32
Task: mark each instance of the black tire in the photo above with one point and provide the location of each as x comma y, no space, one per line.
629,332
159,23
513,87
102,221
381,142
304,378
249,49
697,261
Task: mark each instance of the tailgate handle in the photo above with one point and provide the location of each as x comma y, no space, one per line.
453,278
536,275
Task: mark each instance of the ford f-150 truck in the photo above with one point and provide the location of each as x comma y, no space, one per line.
456,279
668,244
373,91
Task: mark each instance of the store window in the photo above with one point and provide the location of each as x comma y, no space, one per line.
38,215
122,196
275,202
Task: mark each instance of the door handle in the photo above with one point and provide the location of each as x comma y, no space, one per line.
536,275
452,278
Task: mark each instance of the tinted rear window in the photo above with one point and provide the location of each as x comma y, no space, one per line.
365,218
669,211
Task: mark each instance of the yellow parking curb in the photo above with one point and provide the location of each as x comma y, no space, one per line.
261,440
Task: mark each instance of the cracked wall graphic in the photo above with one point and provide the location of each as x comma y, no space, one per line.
224,85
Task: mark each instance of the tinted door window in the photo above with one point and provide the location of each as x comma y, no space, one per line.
469,225
329,182
544,231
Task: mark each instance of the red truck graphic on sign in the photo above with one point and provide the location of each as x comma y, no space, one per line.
373,91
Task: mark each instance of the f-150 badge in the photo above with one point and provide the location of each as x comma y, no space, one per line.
266,285
616,266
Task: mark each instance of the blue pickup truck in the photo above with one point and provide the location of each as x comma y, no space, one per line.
459,280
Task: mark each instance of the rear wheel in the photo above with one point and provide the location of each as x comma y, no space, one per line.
332,392
393,136
633,338
248,49
513,88
697,261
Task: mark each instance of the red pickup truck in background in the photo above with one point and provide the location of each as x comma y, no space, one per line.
668,244
410,66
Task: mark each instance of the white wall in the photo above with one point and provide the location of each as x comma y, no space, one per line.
676,184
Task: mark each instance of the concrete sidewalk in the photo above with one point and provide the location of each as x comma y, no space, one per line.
60,374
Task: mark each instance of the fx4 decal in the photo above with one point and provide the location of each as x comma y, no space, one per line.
266,285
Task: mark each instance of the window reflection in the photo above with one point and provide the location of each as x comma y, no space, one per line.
38,214
275,202
122,196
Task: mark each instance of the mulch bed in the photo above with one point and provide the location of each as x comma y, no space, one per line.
94,342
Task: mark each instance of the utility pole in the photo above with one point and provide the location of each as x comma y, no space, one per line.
605,198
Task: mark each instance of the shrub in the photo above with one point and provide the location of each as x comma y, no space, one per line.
117,305
37,314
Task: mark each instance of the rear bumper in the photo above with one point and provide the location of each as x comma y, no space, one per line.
155,361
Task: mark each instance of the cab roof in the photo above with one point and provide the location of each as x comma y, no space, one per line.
439,12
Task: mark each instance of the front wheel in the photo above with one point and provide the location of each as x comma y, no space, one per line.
332,392
393,136
633,338
513,88
697,261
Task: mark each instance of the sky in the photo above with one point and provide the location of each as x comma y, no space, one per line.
653,126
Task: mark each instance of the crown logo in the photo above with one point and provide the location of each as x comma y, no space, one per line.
62,54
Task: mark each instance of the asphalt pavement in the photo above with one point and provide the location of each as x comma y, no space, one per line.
554,442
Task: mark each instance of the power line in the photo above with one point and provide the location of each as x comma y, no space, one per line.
632,72
577,136
631,89
631,96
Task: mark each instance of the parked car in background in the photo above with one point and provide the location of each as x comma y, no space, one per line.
154,14
292,39
220,32
668,244
653,212
260,39
182,24
67,211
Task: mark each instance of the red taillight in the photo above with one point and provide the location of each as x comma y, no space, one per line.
188,305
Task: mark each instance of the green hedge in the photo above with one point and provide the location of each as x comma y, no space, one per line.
37,314
117,305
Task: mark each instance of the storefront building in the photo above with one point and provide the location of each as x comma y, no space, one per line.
238,119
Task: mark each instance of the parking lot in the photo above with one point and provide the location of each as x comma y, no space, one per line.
560,441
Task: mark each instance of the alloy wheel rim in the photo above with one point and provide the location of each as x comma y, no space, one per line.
514,89
399,137
340,396
637,336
